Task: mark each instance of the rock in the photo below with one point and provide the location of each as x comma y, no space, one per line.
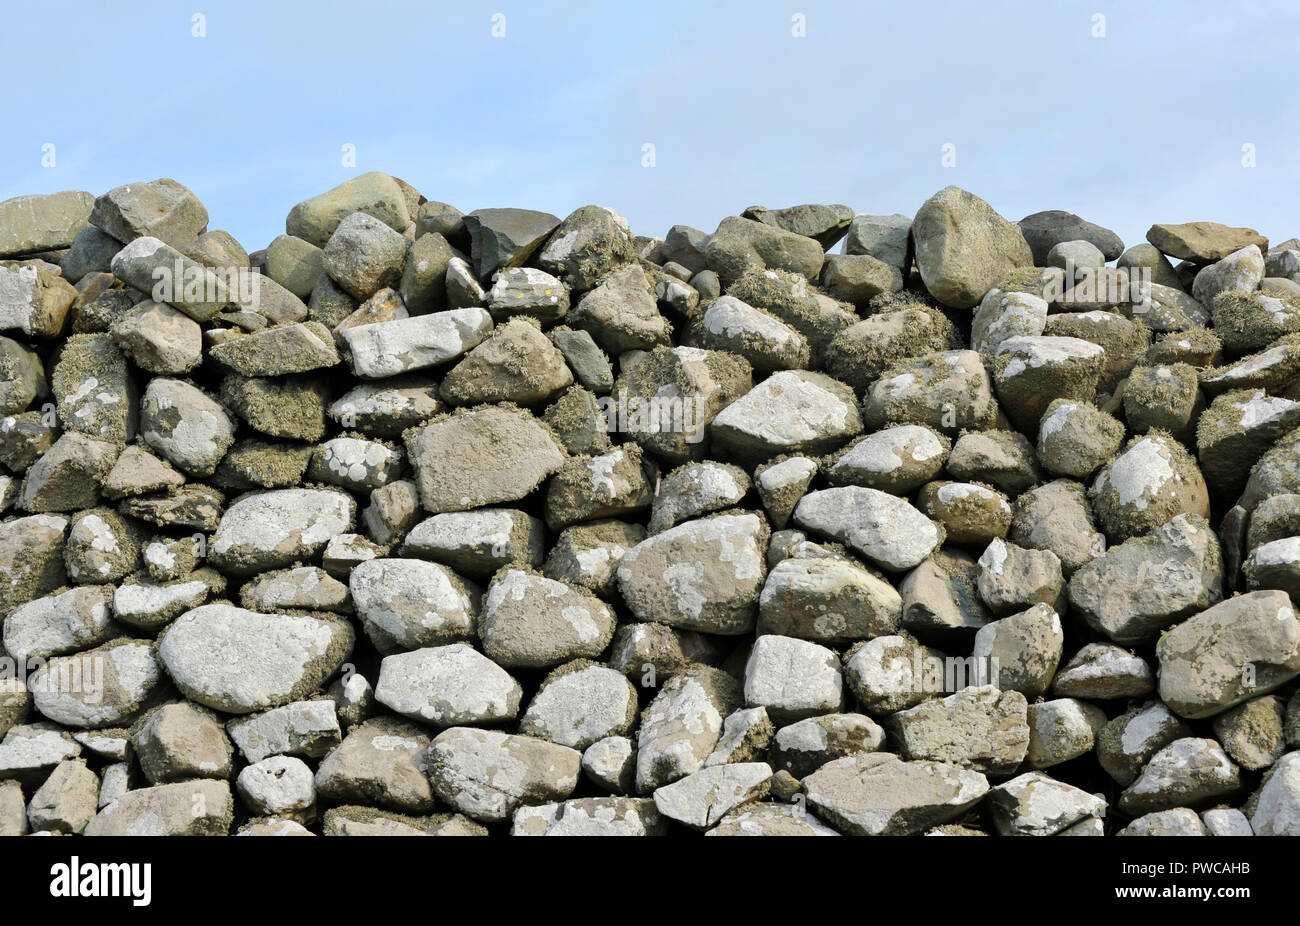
1240,272
889,673
1004,315
504,238
486,775
530,621
477,543
1103,671
1045,230
1152,481
1251,321
884,237
482,457
780,485
1181,821
700,575
857,278
1021,651
268,530
447,686
381,762
90,254
666,402
68,800
1252,732
1187,772
746,736
161,209
884,528
963,247
1061,730
897,460
695,489
1137,589
55,625
31,558
1237,429
410,603
978,728
363,255
827,600
102,687
239,661
1225,822
1277,803
159,339
315,220
878,794
1035,804
587,555
591,816
524,291
67,476
189,808
291,407
295,264
824,224
741,244
280,785
1127,743
1012,578
387,408
766,342
301,728
941,600
610,764
35,224
1203,241
681,726
1075,438
792,678
968,513
189,428
1238,649
621,315
179,741
587,246
702,798
1030,373
423,286
580,704
789,412
297,348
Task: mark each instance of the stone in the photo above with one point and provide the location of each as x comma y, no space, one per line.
884,237
363,255
963,247
695,489
529,621
1152,481
67,801
1021,651
1277,803
857,278
411,603
1044,230
701,799
792,678
827,600
189,428
1252,733
179,741
504,238
447,686
580,704
189,808
35,224
309,729
883,528
423,285
621,315
1236,650
239,661
482,457
897,460
1103,671
1034,804
789,412
107,686
315,220
741,244
159,339
591,816
55,625
1012,578
587,246
517,363
1203,241
1075,438
977,728
477,543
1137,589
680,727
1185,773
486,774
67,476
1181,821
1240,272
268,530
879,794
1030,373
1061,730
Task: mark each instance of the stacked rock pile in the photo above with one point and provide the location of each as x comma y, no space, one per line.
430,523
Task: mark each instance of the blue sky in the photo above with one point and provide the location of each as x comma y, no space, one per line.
1145,124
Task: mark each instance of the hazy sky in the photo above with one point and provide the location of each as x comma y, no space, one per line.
1146,124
